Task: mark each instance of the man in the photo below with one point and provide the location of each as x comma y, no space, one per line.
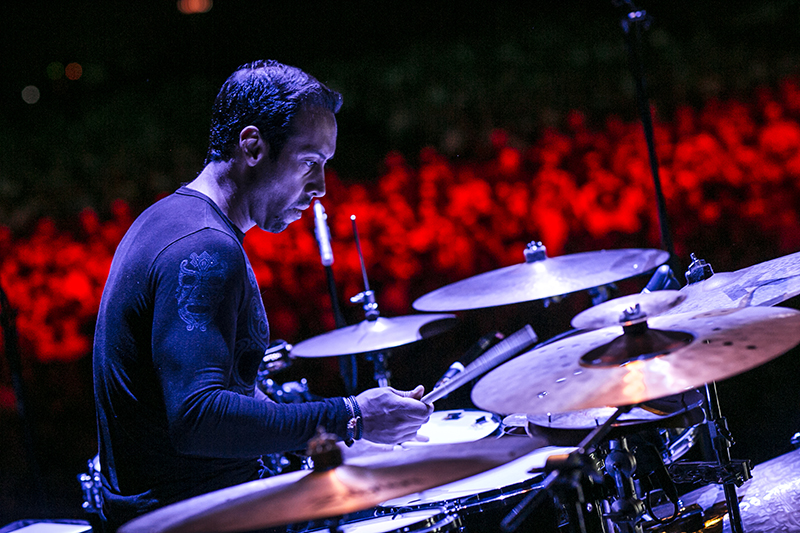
181,328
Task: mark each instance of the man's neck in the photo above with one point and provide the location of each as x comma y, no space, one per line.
216,181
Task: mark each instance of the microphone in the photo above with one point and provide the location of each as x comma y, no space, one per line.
663,279
323,234
454,369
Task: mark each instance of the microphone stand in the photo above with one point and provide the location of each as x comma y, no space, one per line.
633,22
348,368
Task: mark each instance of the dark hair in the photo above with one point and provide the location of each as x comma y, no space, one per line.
267,95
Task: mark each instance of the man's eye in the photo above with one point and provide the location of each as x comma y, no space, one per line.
311,164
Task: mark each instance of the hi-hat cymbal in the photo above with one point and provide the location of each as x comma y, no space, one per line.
610,313
545,278
686,351
374,335
310,495
761,285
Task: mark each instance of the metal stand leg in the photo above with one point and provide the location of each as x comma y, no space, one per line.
382,373
722,441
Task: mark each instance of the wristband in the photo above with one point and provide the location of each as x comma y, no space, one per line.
359,432
354,424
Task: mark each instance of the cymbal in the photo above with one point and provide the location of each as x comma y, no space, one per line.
637,416
310,495
761,285
584,371
546,278
374,335
609,313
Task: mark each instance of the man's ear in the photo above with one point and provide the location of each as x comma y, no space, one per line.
252,145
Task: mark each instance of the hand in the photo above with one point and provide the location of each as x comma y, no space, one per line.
391,416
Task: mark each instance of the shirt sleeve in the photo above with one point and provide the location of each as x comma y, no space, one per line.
199,287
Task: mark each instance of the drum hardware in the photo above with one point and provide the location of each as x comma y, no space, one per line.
330,491
625,374
91,487
541,278
731,474
566,476
769,502
603,293
277,358
626,509
484,499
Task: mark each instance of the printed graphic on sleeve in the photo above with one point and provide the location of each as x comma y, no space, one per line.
200,283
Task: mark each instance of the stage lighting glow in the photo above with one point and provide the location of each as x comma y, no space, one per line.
55,70
74,71
189,7
31,94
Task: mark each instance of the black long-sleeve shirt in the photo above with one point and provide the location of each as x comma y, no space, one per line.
180,333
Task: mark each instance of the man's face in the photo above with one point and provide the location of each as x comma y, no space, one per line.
283,188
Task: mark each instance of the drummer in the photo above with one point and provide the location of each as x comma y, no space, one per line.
182,328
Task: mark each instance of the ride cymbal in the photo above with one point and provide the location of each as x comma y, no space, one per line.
374,335
542,278
610,368
310,495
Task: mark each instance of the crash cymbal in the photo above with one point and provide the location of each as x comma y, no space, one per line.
374,335
310,495
543,278
610,313
670,355
762,285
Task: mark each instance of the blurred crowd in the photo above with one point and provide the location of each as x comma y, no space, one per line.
729,169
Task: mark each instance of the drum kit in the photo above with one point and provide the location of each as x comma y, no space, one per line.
564,438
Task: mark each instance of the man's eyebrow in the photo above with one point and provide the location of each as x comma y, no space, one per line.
315,152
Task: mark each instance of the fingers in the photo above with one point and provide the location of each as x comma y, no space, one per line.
417,393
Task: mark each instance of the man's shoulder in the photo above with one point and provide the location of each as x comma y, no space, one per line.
182,214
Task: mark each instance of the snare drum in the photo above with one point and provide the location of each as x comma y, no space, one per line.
455,426
434,520
483,500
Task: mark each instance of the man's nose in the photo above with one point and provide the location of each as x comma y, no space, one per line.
316,185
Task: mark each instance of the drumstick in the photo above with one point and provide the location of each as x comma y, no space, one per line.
497,354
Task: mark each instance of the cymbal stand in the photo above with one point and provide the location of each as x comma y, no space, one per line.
371,313
627,509
722,441
565,477
726,472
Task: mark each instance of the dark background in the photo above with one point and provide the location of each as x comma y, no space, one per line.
412,74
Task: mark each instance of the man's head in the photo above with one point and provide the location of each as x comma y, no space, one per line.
268,95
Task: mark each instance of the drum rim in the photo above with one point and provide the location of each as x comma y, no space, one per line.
479,501
444,517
